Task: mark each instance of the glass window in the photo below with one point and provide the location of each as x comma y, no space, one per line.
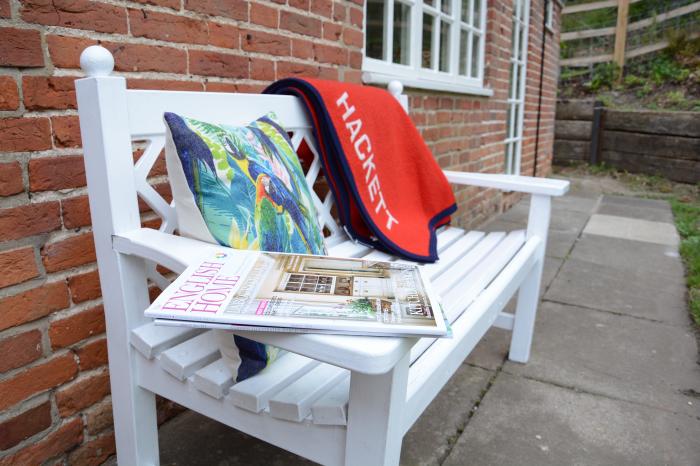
516,92
425,42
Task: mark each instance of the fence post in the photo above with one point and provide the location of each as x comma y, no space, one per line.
623,7
596,130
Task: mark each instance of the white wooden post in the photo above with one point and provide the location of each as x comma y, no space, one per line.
114,209
529,293
375,416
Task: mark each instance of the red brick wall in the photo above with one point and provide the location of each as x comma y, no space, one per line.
54,384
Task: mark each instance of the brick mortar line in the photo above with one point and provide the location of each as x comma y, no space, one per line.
128,38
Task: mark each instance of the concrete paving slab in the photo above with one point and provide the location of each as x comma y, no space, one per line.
191,439
491,352
638,212
432,436
526,422
559,243
618,356
571,203
632,201
636,292
632,229
624,254
561,220
575,203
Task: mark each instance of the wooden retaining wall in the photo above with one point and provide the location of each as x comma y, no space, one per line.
654,143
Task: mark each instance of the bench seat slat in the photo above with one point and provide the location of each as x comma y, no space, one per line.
349,248
469,287
150,339
214,379
467,262
253,394
332,408
294,402
452,254
185,359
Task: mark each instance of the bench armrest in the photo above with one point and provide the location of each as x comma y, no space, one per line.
523,184
370,355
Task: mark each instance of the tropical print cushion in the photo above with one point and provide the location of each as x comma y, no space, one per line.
247,184
241,187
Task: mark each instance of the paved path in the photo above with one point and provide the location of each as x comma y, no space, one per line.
613,378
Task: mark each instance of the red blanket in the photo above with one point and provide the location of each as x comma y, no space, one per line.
390,191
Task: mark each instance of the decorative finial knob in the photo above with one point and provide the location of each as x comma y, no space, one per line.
395,88
96,61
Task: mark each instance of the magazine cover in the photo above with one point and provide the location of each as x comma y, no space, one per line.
297,292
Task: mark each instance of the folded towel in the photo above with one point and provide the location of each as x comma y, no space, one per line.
391,193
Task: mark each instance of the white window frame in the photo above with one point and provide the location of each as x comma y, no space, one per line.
377,71
549,15
517,83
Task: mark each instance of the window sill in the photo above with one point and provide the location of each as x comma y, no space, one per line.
373,77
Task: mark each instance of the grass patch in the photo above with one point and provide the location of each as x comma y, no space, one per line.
687,216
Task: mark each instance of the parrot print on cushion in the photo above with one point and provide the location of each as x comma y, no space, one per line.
248,184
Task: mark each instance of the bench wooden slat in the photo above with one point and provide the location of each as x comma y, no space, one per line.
349,248
332,407
448,235
150,339
185,359
467,262
214,379
293,403
254,393
463,294
453,253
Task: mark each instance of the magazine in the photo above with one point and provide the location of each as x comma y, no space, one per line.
263,291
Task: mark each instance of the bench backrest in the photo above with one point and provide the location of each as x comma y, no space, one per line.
112,118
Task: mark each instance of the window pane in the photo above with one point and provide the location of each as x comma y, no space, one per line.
427,41
402,20
429,2
464,16
476,22
521,34
375,29
463,51
475,56
444,46
446,6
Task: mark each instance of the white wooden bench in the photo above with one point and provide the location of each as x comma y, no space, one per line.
332,399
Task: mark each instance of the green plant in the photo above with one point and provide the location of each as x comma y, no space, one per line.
645,90
604,75
663,69
681,45
605,99
675,98
632,80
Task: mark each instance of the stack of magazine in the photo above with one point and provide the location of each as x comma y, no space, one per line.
278,292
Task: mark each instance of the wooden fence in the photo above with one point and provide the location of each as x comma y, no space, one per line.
621,52
654,143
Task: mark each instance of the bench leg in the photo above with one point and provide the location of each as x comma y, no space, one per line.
134,408
525,312
136,427
375,427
